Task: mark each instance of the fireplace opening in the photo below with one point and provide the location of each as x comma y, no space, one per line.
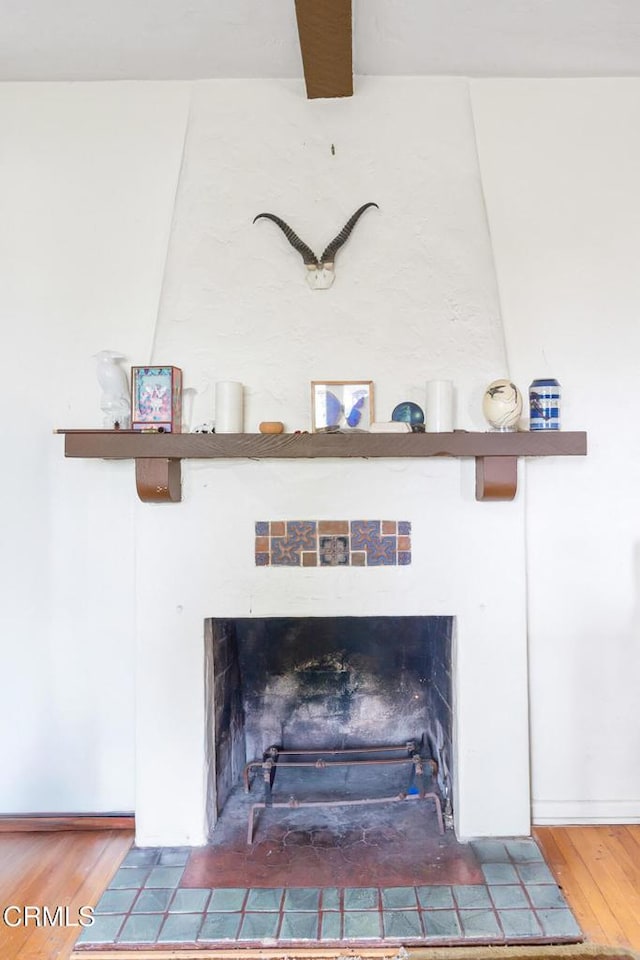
343,718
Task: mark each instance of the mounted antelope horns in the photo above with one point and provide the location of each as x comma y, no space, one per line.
330,251
307,253
320,273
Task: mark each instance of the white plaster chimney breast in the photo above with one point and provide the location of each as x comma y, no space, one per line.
414,299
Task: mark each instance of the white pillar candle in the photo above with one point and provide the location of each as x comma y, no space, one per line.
439,406
229,407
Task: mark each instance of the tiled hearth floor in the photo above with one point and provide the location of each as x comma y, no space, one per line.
423,889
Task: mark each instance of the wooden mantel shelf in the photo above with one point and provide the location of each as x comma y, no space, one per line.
158,455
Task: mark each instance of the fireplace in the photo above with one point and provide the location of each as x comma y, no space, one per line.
418,301
467,563
338,710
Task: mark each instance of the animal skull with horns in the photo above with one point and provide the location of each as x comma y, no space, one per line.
320,273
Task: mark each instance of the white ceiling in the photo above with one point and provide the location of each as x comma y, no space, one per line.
187,39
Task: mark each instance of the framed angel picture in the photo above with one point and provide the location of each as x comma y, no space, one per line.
156,398
341,405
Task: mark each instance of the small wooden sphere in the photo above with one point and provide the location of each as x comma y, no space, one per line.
271,426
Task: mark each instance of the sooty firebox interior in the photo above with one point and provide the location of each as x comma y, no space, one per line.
317,711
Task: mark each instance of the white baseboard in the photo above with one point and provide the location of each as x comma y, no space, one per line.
549,812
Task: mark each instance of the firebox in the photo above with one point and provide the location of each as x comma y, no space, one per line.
329,710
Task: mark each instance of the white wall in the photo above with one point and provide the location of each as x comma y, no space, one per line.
87,182
560,164
415,292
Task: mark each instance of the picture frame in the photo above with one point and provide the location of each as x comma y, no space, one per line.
345,405
156,398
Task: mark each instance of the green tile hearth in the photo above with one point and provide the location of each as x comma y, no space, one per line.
361,898
302,899
513,899
180,928
299,926
152,901
396,898
104,929
442,924
141,928
265,899
189,901
164,877
331,926
471,897
435,898
330,898
116,901
220,927
230,898
511,896
259,926
402,924
362,925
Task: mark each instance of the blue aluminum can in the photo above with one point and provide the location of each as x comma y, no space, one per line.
544,405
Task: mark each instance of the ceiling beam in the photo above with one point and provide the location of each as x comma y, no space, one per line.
325,31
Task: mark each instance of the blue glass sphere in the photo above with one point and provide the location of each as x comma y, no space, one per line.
408,412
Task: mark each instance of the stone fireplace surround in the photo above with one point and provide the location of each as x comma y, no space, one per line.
468,562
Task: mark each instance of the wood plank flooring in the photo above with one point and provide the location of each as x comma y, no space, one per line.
598,868
599,871
67,869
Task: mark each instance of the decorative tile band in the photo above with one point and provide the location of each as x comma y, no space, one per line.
333,543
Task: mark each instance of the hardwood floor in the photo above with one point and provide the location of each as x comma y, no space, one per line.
598,868
67,869
599,871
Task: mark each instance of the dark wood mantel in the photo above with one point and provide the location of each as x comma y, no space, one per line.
158,455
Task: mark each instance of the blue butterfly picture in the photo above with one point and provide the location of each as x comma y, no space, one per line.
343,405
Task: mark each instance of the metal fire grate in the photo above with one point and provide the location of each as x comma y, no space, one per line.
318,762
